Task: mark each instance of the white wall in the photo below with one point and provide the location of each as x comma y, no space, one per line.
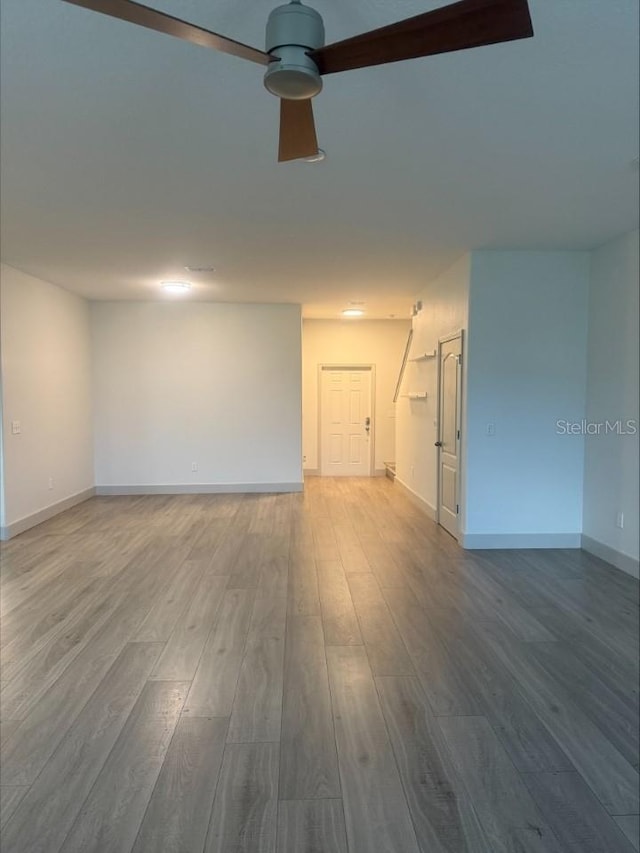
377,342
445,310
526,369
46,385
611,461
214,384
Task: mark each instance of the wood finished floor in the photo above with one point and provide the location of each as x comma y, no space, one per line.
317,673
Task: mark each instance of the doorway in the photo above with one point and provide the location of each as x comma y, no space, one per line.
346,420
450,351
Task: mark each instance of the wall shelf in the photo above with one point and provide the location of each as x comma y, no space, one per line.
424,356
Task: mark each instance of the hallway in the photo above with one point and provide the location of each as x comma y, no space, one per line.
325,672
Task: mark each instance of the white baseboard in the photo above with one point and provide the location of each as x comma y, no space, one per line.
315,472
420,502
619,559
29,521
485,541
200,488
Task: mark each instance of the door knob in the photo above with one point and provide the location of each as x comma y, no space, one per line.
438,444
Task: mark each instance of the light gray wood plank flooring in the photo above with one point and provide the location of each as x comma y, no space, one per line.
325,672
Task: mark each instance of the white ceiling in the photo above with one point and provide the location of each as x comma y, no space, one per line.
128,154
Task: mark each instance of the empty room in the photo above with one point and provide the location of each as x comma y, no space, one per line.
319,369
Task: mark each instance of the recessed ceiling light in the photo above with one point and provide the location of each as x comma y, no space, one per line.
175,286
315,158
352,312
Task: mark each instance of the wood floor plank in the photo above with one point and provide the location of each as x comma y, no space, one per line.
504,807
521,732
20,694
7,728
245,571
47,813
43,624
178,814
163,616
630,826
542,644
32,744
311,826
10,798
181,654
620,676
441,809
111,815
439,672
274,570
214,684
385,648
339,619
380,558
575,815
376,812
614,715
609,775
257,706
308,761
244,816
304,598
498,603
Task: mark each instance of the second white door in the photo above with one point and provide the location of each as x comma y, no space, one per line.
346,422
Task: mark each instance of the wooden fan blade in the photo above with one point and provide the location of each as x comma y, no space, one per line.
136,13
297,130
469,23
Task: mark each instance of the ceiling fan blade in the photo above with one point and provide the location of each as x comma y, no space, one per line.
297,130
469,23
136,13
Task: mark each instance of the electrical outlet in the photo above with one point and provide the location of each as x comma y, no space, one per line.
50,483
491,429
620,520
16,427
194,466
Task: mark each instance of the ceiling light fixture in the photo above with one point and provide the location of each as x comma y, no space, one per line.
352,312
175,286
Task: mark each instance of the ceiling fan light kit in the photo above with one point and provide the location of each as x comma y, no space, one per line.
296,56
292,31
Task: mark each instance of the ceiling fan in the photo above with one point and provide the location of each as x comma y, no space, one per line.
296,56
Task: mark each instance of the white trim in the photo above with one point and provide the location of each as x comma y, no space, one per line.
311,472
420,502
619,559
372,396
29,521
199,488
482,541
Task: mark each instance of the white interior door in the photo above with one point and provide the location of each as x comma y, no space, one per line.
448,443
345,422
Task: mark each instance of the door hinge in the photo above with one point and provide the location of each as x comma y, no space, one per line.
458,435
457,509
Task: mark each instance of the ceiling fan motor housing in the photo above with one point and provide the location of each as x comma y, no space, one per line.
292,30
